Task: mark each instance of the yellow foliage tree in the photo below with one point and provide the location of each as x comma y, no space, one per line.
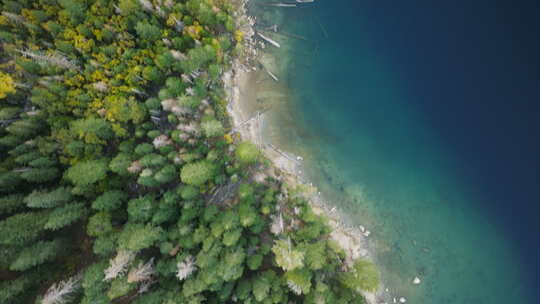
7,85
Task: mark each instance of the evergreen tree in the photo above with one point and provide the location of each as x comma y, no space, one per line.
87,172
48,199
92,130
136,237
213,128
287,257
8,181
110,200
64,216
197,173
148,31
24,128
36,254
99,224
22,228
247,153
363,276
141,209
11,203
120,164
40,175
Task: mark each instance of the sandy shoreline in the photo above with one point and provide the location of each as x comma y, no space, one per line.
351,239
241,84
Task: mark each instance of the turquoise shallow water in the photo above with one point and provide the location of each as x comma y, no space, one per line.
376,153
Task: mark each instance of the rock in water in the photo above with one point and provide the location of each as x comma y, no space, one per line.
402,300
416,281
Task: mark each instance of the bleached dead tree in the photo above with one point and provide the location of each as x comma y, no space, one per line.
294,287
60,293
141,273
277,226
119,264
161,141
56,59
14,17
147,5
185,268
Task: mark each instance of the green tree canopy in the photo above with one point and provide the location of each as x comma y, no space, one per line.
87,172
362,276
48,199
36,254
22,228
212,128
66,215
110,200
92,130
197,173
247,153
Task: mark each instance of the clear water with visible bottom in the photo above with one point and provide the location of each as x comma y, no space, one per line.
372,106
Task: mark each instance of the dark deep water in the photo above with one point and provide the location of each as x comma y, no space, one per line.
428,111
474,69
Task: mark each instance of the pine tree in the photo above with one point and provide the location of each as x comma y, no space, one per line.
40,175
197,173
92,130
11,203
48,199
212,128
120,164
136,237
148,31
262,285
36,254
24,128
166,174
13,290
22,228
64,216
93,282
119,287
363,276
110,200
315,254
247,153
299,280
87,172
287,257
8,181
141,209
99,224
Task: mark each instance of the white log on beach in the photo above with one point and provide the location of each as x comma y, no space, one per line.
260,129
272,75
283,154
282,4
256,116
269,40
305,1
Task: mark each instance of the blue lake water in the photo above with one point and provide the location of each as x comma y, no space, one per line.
422,117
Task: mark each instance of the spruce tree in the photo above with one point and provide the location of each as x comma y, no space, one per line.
48,199
36,254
